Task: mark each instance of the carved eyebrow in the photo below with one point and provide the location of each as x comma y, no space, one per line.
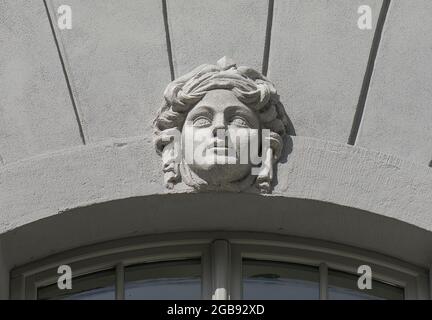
200,109
242,107
239,108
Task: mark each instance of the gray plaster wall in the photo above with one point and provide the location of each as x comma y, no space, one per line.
313,169
202,31
117,63
398,112
119,56
36,112
75,119
318,59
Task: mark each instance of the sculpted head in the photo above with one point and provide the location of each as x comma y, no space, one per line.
213,120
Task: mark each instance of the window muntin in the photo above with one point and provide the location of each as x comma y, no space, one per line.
164,280
264,280
343,286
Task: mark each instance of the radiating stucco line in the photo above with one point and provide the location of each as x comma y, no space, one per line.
65,72
168,38
358,116
267,42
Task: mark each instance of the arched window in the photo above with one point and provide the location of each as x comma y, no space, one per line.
219,266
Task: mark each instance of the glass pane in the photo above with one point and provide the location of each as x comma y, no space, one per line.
343,286
95,286
165,280
264,280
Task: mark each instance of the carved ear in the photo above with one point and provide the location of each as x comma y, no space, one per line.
276,144
171,164
269,158
265,175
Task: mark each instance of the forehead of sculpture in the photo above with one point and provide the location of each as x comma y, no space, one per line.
219,100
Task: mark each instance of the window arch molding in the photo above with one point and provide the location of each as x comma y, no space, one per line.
222,255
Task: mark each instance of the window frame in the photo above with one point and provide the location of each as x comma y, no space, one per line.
384,269
221,256
26,280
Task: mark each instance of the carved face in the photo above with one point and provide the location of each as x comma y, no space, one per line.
210,139
211,125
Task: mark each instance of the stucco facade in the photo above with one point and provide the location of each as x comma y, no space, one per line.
77,161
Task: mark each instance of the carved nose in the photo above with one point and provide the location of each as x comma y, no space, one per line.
219,123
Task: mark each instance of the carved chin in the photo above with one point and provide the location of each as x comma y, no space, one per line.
221,173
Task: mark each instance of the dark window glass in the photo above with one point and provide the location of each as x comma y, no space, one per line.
343,286
164,280
95,286
264,280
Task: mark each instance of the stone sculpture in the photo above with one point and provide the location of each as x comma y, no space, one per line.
210,119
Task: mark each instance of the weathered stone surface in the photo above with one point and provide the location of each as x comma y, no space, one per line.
398,111
117,60
365,199
36,113
202,31
119,168
318,170
318,58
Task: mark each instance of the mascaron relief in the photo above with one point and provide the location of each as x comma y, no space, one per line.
220,128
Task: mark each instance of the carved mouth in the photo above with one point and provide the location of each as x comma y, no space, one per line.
220,147
221,151
218,144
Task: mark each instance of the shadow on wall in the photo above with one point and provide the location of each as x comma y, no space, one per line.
288,144
289,124
160,214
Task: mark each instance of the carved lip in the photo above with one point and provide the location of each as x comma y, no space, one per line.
217,148
220,150
218,144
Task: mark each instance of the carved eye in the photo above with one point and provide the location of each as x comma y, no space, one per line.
240,122
201,122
